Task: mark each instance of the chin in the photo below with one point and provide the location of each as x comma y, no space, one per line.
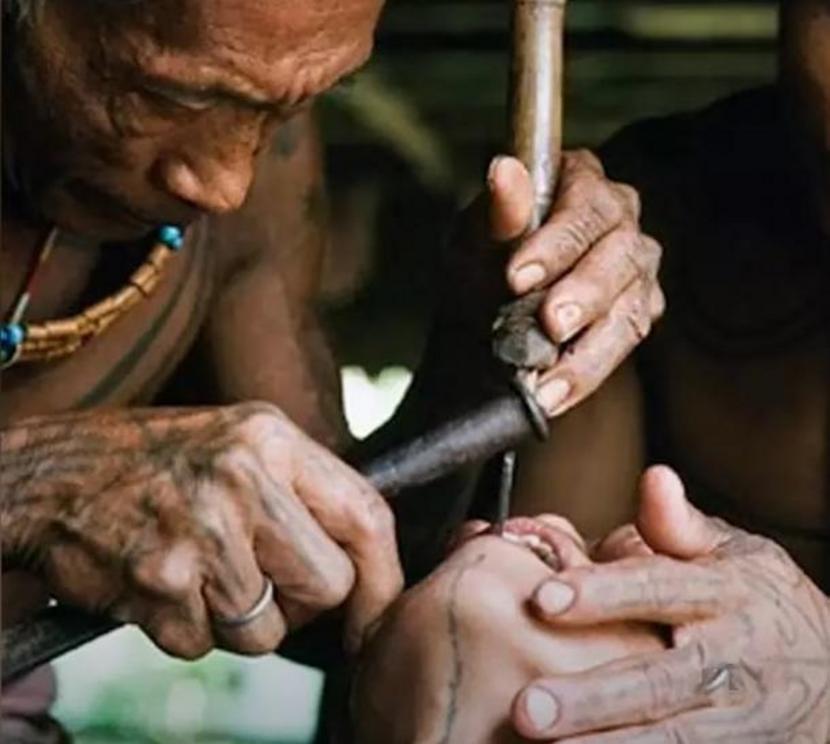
102,230
94,221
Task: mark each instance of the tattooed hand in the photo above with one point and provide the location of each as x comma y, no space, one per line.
173,519
750,655
589,269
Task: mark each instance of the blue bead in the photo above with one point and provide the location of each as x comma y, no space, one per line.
171,236
18,334
12,335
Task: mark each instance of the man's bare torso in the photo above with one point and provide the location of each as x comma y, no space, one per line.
132,361
735,380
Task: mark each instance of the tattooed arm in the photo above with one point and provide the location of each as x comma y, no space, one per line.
172,519
262,339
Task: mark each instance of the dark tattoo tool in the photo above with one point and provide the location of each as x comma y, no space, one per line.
495,427
467,440
535,139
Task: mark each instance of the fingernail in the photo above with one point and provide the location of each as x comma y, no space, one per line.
528,276
568,317
554,597
494,166
541,707
553,394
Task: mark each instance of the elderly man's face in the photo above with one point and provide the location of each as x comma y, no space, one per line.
125,114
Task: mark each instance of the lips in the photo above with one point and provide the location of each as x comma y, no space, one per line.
542,540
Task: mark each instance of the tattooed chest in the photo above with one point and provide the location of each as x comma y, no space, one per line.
131,360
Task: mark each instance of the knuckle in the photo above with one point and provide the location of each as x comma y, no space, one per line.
660,688
170,573
635,316
256,419
654,251
372,519
588,223
658,303
261,642
638,253
182,643
630,197
332,590
585,158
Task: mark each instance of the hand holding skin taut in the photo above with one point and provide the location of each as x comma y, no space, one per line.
749,658
460,643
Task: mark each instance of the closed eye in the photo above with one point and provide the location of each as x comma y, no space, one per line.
191,100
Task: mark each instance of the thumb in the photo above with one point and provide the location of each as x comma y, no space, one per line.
511,198
668,522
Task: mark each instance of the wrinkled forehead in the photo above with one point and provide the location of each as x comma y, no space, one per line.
313,42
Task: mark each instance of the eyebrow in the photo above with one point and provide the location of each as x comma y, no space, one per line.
218,92
210,93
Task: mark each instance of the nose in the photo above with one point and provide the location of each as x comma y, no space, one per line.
211,184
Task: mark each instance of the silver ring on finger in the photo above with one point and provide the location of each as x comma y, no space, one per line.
259,609
717,677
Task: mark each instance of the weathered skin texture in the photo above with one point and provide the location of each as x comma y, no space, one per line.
449,656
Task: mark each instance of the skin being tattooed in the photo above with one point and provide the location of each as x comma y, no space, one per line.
457,670
460,642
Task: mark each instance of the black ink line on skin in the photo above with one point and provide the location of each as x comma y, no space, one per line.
457,673
287,140
120,371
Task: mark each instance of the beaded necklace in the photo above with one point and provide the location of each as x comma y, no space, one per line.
40,342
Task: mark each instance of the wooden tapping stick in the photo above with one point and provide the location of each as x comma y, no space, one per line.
536,139
536,96
535,123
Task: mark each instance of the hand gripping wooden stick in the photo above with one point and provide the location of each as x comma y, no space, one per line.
535,139
470,438
536,96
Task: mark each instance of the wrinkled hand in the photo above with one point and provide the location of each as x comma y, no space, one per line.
599,271
174,519
749,657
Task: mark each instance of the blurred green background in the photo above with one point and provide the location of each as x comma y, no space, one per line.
406,145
